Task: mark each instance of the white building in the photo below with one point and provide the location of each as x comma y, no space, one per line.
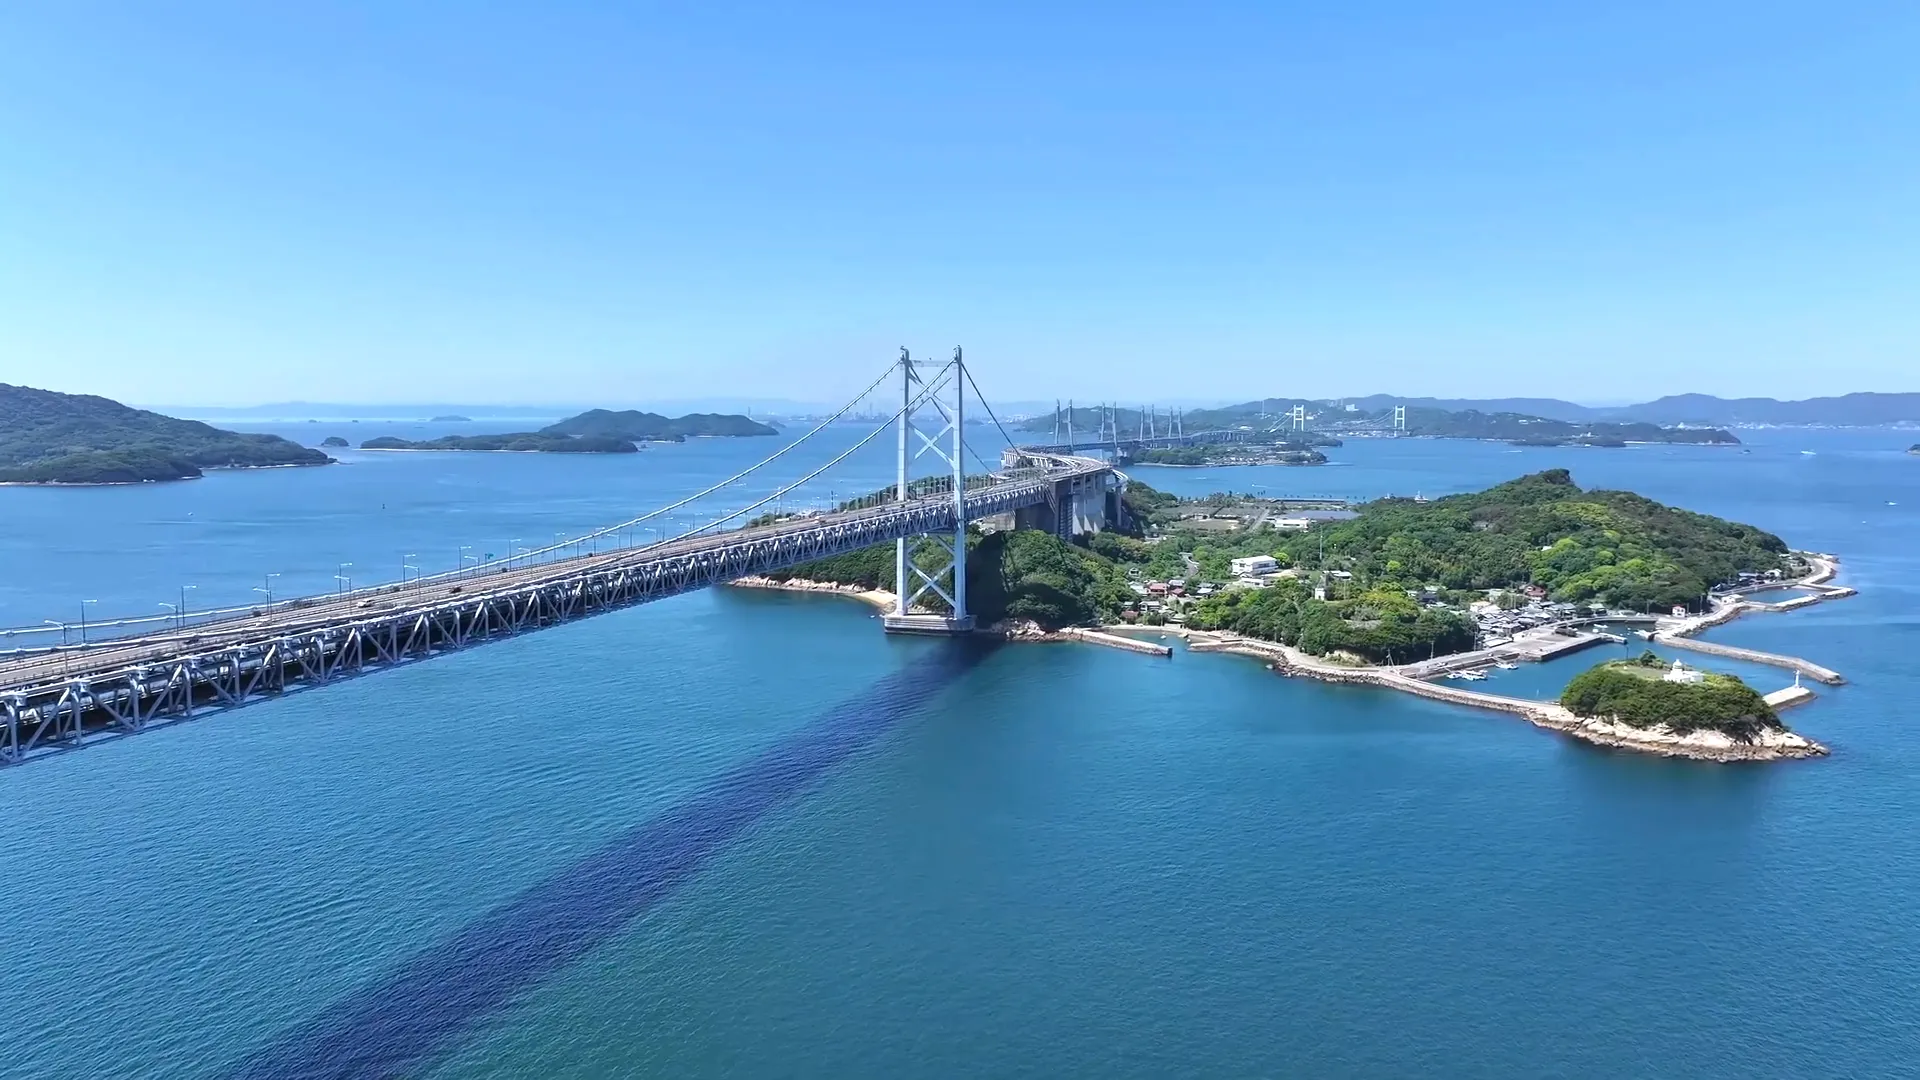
1680,674
1254,564
1293,524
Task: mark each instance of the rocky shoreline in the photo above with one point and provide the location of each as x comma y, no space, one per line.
1777,744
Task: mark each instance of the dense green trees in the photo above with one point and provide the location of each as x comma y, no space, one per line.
1024,575
1613,546
1633,692
47,437
1380,624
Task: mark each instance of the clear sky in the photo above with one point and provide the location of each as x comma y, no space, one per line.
563,203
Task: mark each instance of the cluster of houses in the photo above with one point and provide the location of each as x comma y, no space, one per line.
1498,625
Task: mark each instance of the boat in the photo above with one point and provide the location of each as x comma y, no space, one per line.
1472,676
1505,665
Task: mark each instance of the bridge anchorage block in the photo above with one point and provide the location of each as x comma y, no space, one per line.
937,625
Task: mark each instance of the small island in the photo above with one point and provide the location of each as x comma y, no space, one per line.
334,441
1274,453
596,431
1914,449
81,439
524,442
1647,694
451,419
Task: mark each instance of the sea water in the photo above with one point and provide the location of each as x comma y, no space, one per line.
746,834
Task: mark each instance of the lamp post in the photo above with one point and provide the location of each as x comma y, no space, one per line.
83,620
406,566
175,608
464,548
345,579
513,547
267,588
65,659
182,611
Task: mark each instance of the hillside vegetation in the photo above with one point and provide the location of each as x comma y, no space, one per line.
47,437
1633,692
1614,547
652,427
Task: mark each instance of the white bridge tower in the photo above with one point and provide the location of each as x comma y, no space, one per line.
926,402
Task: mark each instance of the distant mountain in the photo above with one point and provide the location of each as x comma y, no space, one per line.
1850,410
303,410
52,438
652,427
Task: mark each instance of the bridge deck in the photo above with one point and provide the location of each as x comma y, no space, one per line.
63,696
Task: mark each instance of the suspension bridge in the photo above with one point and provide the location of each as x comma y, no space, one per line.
1149,435
141,675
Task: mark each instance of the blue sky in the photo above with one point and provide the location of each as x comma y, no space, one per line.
238,203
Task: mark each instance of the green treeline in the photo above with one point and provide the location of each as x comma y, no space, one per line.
1621,549
1380,624
1010,575
46,437
1633,692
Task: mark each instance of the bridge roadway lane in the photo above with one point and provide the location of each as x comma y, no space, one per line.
308,614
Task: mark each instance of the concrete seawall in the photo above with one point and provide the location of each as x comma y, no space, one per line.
1733,652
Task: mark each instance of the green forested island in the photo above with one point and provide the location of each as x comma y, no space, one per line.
53,438
652,427
1273,453
521,442
1539,431
1395,578
334,441
1638,692
596,431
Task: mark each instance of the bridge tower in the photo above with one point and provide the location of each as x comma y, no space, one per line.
1399,419
923,404
1299,418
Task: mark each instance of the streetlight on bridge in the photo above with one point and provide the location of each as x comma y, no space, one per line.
406,566
183,604
268,590
345,579
83,620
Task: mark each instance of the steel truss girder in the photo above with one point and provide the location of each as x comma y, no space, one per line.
62,713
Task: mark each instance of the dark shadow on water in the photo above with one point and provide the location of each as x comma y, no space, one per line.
390,1027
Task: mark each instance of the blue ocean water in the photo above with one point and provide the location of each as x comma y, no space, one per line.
744,834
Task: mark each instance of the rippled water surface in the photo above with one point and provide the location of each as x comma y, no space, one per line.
742,834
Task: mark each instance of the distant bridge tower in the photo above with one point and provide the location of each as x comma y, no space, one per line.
930,402
1299,418
1399,419
1179,425
1109,428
